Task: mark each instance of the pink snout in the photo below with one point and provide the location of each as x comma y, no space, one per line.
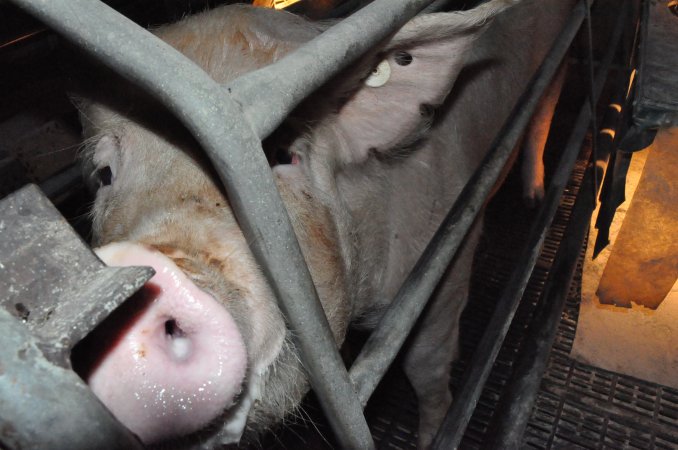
179,363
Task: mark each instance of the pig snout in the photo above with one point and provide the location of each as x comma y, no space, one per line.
179,364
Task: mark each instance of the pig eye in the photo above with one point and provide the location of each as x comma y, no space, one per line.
282,156
105,176
105,159
403,58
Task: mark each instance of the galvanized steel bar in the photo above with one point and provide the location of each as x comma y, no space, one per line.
394,327
50,278
513,412
267,95
453,427
591,81
216,121
53,291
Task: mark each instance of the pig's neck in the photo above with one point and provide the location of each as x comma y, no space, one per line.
395,208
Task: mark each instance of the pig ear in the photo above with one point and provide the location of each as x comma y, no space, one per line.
411,76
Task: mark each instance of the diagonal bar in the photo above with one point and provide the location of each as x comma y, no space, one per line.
514,410
267,97
459,414
394,327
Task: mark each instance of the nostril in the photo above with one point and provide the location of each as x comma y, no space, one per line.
172,329
180,345
176,363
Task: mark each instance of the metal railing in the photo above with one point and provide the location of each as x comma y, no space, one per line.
232,140
230,122
388,337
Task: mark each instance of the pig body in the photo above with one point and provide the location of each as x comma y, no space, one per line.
367,174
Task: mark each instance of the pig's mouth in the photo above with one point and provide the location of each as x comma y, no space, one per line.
170,360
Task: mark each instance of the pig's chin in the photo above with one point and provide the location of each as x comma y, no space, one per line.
179,364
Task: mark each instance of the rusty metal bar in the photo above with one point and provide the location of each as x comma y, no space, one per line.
51,280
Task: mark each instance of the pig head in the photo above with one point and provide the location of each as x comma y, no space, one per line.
366,168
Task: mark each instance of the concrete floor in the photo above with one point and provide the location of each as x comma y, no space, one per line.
636,341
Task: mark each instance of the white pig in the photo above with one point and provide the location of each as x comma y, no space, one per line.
367,170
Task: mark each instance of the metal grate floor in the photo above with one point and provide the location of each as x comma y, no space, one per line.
578,406
583,406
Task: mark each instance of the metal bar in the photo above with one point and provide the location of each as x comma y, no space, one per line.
51,279
452,430
211,115
531,365
267,97
385,341
589,54
58,291
43,404
513,412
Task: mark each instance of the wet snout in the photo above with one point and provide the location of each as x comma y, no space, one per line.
175,360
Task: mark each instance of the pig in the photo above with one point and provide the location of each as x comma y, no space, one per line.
367,168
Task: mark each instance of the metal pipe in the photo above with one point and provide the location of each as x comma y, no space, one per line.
128,53
456,420
385,341
235,151
589,54
267,97
513,412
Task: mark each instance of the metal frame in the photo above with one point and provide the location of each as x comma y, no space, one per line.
29,423
388,337
54,292
230,122
514,410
